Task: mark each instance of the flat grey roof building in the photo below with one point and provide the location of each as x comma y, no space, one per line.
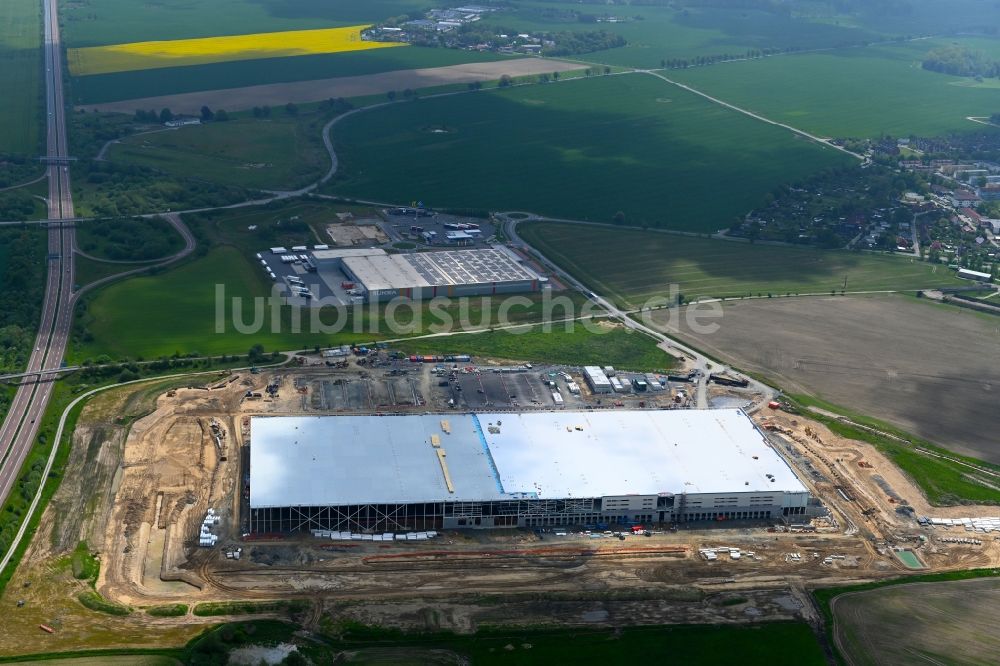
377,273
331,460
328,460
438,273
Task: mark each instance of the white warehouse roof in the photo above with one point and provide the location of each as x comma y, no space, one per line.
337,460
390,271
641,452
378,271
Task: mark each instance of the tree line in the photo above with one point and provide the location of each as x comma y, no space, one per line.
22,276
701,61
166,115
959,61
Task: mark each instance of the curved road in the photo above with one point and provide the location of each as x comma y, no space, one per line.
175,221
18,432
26,183
189,245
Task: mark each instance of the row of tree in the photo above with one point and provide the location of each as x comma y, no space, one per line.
166,115
338,104
701,61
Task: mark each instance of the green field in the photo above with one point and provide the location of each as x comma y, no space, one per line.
661,33
150,83
282,152
606,345
581,149
690,29
852,92
633,266
88,270
21,71
183,320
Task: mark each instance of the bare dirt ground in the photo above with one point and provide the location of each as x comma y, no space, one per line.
145,467
82,511
929,369
933,623
357,232
278,94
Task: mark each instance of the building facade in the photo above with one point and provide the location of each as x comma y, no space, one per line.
537,469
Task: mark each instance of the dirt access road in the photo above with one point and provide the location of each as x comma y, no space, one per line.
929,369
278,94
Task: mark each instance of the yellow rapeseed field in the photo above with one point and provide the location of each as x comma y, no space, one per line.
181,52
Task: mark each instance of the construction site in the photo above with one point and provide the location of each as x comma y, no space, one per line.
172,522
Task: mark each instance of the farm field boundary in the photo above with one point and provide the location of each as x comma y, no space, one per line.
277,94
181,52
858,92
632,265
583,148
932,618
920,367
105,88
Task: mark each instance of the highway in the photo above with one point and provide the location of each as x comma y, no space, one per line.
18,432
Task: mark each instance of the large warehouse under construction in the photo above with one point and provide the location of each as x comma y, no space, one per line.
441,471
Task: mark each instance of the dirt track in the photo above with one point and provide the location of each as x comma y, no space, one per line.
932,370
278,94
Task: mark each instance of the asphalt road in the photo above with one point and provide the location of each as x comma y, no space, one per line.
18,432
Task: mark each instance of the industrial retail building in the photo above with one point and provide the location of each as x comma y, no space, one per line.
440,471
422,275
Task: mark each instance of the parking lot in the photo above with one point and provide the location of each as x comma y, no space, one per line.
390,382
494,390
324,285
401,226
